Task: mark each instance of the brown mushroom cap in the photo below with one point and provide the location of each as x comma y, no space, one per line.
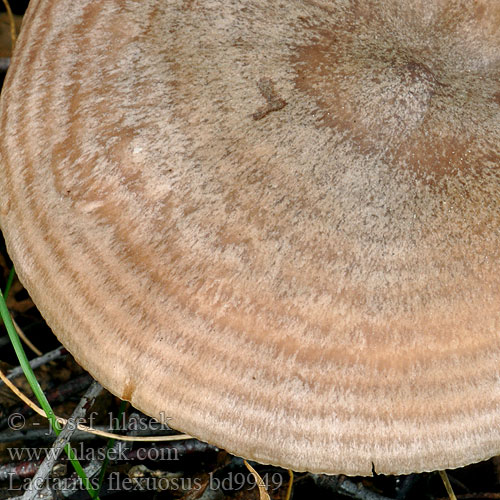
277,223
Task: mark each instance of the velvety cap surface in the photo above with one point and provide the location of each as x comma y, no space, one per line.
276,223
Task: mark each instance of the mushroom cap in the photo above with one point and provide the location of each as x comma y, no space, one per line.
275,224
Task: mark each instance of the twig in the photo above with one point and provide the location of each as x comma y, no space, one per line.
44,435
113,447
37,390
62,440
344,486
120,448
37,362
20,470
56,396
86,428
120,452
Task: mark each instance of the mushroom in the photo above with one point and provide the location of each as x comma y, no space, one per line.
275,223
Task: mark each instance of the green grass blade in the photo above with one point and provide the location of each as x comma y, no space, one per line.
10,280
40,395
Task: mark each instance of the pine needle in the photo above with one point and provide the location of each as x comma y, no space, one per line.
12,24
264,495
447,485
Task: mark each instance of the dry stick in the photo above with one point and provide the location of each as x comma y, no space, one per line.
62,440
118,448
44,435
17,471
85,428
55,396
37,362
184,447
344,486
140,454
